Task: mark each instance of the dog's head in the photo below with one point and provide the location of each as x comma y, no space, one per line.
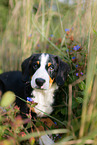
43,70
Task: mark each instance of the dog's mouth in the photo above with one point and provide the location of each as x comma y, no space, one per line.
40,88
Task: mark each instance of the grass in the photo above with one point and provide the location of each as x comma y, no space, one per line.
34,27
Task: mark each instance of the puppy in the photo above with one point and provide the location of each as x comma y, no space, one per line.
41,77
42,74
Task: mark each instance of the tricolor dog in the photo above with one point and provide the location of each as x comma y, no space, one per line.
42,74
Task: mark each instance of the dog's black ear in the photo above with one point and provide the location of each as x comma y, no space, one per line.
2,87
62,72
25,68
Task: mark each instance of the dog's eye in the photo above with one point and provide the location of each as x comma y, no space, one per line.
35,66
51,68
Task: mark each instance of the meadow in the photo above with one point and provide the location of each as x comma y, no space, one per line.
70,31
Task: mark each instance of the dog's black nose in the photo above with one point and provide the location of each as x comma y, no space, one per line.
40,82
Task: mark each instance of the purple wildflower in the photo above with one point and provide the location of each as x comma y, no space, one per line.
38,45
66,30
30,35
71,52
77,74
55,123
74,57
51,35
81,73
67,50
77,47
29,99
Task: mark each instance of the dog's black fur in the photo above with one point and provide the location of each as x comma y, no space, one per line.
20,82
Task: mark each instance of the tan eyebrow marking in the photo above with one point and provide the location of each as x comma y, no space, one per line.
49,64
38,62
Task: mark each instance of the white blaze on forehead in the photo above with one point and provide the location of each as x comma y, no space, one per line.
41,73
44,59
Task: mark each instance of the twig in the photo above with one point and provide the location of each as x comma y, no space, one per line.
70,98
73,142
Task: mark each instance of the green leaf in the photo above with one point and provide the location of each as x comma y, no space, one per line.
1,71
82,85
79,100
74,103
95,31
64,111
7,99
34,104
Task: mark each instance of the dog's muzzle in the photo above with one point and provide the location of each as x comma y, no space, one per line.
40,79
39,82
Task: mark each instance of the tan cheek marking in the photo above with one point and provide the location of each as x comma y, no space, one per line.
38,62
51,81
49,64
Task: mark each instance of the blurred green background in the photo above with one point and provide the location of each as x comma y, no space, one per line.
27,25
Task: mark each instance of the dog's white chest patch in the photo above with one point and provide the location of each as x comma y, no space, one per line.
45,99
